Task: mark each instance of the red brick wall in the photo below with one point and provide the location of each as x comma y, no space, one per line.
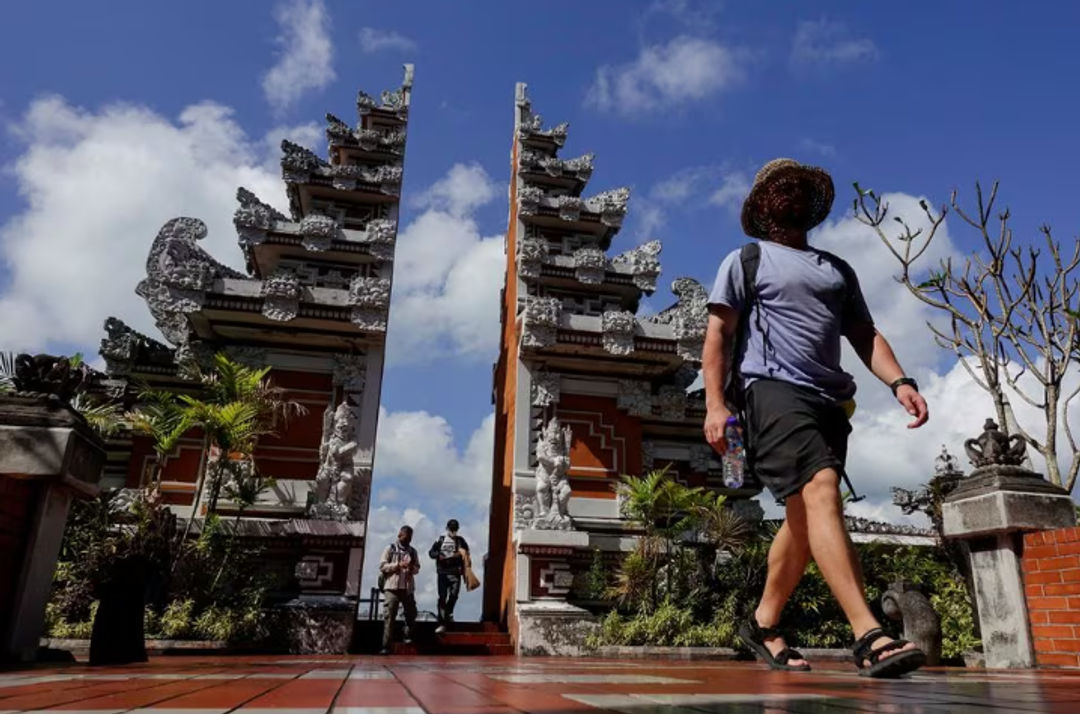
1051,567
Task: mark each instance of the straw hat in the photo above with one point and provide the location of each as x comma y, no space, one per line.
756,224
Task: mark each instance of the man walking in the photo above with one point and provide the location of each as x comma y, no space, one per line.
397,569
777,312
449,553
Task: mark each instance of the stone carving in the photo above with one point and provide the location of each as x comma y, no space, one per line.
337,130
46,374
253,357
552,484
993,448
346,177
946,464
529,199
123,348
370,298
750,511
672,403
369,292
570,207
298,162
390,100
580,167
337,483
545,389
350,372
540,323
524,510
690,319
178,275
618,328
702,458
254,218
634,397
642,263
611,205
380,234
922,625
648,455
531,255
590,265
532,125
319,232
281,293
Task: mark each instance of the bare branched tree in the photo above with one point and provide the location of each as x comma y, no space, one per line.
1011,311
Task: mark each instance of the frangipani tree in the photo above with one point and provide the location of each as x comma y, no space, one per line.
1010,313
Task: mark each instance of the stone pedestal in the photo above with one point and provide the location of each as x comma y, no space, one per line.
546,624
991,510
48,454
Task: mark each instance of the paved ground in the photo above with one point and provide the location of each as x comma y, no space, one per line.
496,685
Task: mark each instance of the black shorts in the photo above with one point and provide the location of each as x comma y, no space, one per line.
792,433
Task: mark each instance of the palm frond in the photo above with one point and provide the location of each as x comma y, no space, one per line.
106,419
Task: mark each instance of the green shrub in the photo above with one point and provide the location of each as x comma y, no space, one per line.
176,621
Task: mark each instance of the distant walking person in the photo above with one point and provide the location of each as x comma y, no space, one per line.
777,312
449,553
397,575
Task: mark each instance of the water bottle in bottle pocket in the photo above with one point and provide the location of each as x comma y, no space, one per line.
734,458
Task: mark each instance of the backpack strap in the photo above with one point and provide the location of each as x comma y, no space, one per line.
750,259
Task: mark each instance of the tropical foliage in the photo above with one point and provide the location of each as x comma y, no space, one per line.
699,569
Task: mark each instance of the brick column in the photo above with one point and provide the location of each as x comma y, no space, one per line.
1051,568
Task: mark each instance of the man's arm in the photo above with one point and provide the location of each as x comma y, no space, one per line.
714,368
874,351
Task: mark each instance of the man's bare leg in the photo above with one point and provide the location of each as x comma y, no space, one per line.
788,557
833,552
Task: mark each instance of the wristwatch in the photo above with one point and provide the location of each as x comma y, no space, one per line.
901,382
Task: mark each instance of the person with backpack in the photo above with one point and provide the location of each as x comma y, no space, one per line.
397,579
772,351
449,553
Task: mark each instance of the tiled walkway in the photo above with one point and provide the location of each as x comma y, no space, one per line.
364,685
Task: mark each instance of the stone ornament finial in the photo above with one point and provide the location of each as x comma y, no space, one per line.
994,448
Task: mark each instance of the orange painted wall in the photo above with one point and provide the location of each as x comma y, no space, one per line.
499,570
607,444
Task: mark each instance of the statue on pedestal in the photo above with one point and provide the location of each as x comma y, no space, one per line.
552,484
336,480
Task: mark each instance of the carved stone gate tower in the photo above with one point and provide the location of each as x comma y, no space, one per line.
585,390
313,304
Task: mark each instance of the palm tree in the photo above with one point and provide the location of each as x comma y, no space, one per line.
235,407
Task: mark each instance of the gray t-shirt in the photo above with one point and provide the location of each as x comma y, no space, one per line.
802,311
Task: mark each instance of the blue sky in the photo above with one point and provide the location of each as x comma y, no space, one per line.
117,120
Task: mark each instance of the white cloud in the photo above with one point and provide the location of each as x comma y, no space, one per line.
827,43
816,147
307,53
416,454
373,40
447,274
732,191
685,70
97,187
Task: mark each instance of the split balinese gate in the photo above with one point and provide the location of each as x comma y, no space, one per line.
585,390
313,304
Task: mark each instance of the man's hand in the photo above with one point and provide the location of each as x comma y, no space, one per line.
913,404
715,424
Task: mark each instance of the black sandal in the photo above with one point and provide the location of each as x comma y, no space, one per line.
754,635
890,667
